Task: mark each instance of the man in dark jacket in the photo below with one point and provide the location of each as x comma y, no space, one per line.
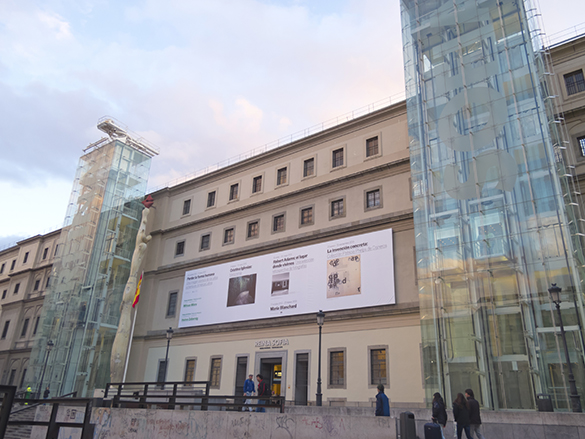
262,391
474,416
382,404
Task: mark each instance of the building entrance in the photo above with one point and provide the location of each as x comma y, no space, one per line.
302,379
271,370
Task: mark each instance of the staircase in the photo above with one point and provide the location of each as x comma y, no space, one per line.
20,431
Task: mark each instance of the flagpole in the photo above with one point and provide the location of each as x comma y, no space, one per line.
134,304
129,345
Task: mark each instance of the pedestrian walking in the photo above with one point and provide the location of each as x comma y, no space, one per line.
249,390
382,404
262,391
439,415
474,416
461,415
46,393
27,394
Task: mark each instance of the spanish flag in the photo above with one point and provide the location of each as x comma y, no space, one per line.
137,295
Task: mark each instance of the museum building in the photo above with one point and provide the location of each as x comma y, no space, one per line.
429,232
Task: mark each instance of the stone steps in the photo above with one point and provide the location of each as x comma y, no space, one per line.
20,431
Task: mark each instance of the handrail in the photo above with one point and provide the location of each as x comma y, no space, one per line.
169,394
30,403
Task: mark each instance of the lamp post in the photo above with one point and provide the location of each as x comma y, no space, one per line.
50,345
555,294
169,338
320,320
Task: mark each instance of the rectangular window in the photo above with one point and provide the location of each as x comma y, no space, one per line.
22,378
278,223
215,372
4,294
186,207
205,242
253,229
306,216
373,198
12,377
308,167
37,285
372,147
36,325
25,258
337,208
211,199
281,176
574,82
378,373
56,250
190,370
2,267
172,305
581,142
337,368
228,236
234,191
5,330
24,328
337,158
12,265
180,248
48,282
257,184
45,253
16,288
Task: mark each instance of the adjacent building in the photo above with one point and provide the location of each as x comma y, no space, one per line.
25,276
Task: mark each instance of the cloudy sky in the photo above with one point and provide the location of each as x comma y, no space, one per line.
204,80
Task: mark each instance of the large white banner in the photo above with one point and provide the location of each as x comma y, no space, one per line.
354,272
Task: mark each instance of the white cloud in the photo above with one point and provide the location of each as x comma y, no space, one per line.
55,24
203,80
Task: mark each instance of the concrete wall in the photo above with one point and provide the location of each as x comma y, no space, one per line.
155,424
310,422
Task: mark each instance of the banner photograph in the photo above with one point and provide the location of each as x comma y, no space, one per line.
347,273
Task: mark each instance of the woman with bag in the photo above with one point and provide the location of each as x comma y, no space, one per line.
439,412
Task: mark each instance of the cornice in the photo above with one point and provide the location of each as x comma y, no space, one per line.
390,112
289,321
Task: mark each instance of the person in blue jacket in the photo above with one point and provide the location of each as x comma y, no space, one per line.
249,390
382,404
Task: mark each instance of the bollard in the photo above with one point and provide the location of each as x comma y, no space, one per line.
544,403
407,427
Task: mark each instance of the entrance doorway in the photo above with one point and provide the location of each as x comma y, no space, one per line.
302,379
271,370
241,369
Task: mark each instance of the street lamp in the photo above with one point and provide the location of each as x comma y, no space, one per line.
169,338
50,345
320,321
555,294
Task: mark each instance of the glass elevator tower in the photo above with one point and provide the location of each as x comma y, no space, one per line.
82,307
495,210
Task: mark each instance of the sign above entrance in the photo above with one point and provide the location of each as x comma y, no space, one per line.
271,344
347,273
